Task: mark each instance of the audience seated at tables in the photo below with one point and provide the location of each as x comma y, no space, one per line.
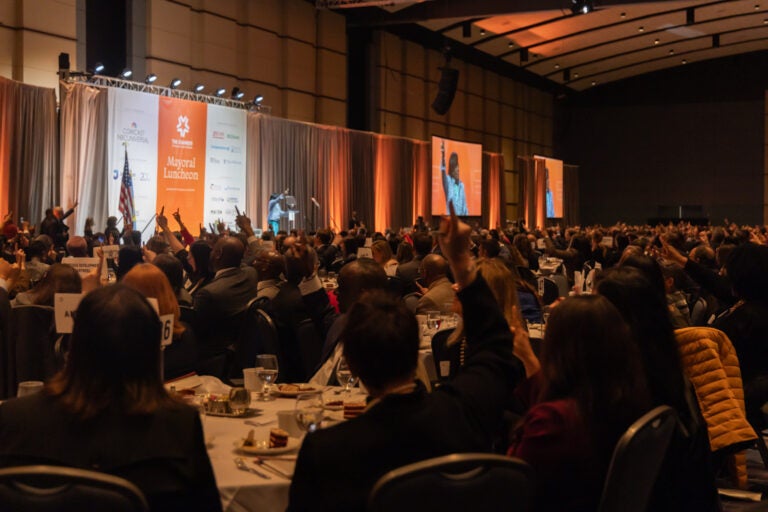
57,279
180,357
586,391
107,410
403,423
382,254
409,272
174,271
437,290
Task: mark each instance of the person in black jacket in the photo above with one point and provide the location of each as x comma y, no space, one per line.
107,410
338,466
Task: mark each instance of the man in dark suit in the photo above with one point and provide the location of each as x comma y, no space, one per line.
403,423
220,302
409,272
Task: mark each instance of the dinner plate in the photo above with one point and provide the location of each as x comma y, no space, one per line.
293,444
292,394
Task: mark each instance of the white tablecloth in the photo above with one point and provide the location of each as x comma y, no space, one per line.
241,491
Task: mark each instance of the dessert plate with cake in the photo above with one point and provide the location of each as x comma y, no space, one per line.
279,442
293,390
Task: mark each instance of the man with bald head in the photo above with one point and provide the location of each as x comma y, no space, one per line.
219,302
438,294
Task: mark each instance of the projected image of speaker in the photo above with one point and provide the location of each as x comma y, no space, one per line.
449,79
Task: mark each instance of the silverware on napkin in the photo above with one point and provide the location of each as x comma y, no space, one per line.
242,466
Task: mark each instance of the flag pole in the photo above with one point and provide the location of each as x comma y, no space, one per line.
148,223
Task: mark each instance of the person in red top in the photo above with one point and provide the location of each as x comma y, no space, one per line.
586,391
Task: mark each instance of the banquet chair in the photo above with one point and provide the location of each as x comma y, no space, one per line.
636,461
526,274
458,482
412,301
310,346
188,315
551,291
257,335
446,359
65,489
32,337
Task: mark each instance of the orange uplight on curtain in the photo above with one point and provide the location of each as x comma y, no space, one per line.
338,179
382,208
495,172
8,102
422,180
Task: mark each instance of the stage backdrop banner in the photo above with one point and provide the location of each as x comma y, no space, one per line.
181,159
225,165
133,130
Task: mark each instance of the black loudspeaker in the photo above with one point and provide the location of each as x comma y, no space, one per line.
449,79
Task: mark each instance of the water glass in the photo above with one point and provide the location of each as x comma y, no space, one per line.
433,320
344,375
29,387
268,373
310,410
239,400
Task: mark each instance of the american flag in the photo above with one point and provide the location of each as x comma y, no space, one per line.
126,194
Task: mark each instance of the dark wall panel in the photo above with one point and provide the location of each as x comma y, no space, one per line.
642,145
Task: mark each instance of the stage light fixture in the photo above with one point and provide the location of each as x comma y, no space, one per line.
237,94
220,92
150,79
98,69
582,6
258,99
175,83
199,87
126,74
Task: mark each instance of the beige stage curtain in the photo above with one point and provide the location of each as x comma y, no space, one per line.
84,167
28,160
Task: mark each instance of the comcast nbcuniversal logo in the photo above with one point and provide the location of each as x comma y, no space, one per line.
182,126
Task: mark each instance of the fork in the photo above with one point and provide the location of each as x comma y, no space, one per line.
259,423
242,466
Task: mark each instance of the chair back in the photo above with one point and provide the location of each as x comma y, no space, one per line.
636,461
550,290
188,315
446,359
257,335
64,489
458,482
32,334
412,301
310,346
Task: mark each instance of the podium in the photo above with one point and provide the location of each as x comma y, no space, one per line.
288,217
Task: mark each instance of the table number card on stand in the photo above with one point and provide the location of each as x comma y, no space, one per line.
64,307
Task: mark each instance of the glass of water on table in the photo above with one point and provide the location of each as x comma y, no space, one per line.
310,410
344,375
267,373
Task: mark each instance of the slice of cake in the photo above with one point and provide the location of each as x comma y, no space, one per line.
278,438
352,410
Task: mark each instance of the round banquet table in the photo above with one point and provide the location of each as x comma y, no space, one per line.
242,491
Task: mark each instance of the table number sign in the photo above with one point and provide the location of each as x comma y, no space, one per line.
64,306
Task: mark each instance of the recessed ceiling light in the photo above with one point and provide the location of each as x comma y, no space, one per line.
576,75
512,43
671,52
594,83
641,29
655,41
623,15
557,66
685,61
765,22
757,7
482,31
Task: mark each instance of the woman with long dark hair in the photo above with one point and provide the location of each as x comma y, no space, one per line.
589,389
686,480
108,410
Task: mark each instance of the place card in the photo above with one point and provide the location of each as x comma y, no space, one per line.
64,307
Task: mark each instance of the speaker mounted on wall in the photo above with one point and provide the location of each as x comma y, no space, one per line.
446,89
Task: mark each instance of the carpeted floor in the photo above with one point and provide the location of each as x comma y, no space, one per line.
758,482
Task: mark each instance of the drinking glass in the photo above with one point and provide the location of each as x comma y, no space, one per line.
239,400
29,387
267,373
433,320
309,410
344,375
